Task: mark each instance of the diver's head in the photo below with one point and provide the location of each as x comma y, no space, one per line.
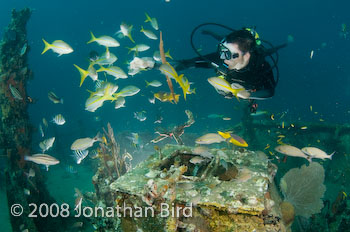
235,49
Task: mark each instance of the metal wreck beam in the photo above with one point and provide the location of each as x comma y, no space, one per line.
15,129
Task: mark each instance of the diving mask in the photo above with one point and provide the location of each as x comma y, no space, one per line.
225,53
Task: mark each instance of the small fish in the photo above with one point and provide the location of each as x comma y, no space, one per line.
105,59
196,160
119,103
53,97
153,21
77,225
321,120
125,31
148,33
24,49
311,54
153,83
115,71
159,119
267,146
127,91
79,155
156,55
291,151
164,97
45,122
169,71
226,119
272,117
220,84
41,130
310,108
59,120
315,152
26,191
210,138
42,159
135,139
141,115
303,127
31,173
46,144
234,139
85,143
202,151
152,100
283,125
58,46
15,93
292,125
104,40
138,48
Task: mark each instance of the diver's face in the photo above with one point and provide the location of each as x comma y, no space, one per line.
235,62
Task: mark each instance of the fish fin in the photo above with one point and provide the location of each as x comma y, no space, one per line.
83,74
47,46
93,38
147,83
331,155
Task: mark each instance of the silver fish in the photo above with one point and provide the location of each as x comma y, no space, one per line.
209,139
24,49
41,130
85,143
291,151
79,155
44,159
315,152
53,97
141,116
46,144
119,103
59,120
15,93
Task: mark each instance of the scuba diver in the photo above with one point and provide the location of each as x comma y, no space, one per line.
241,60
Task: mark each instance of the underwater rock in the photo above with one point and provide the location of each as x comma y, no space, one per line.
218,201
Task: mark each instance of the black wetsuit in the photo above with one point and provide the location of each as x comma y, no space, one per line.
257,76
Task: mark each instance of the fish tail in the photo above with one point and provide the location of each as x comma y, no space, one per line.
167,54
330,157
148,19
47,46
93,38
101,69
147,83
130,37
83,74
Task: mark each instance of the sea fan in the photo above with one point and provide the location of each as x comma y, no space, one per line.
303,188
